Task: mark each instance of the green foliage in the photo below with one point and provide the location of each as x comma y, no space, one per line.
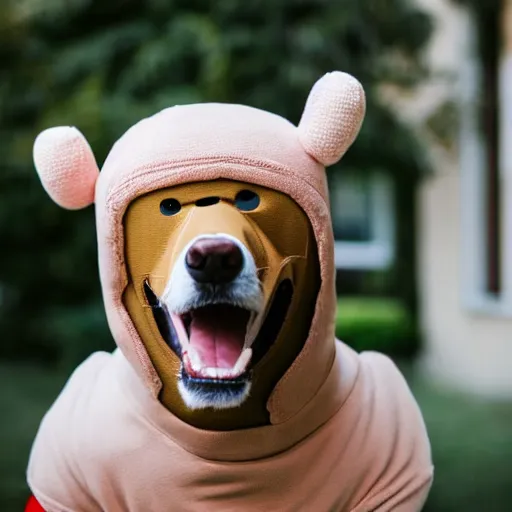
377,324
85,329
102,65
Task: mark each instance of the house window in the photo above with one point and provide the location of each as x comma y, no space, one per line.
486,164
363,221
351,208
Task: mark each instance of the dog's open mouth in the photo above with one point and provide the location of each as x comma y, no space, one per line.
214,344
214,341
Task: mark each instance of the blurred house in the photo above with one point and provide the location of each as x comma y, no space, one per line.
464,115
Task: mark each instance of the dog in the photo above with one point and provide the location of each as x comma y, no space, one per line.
214,282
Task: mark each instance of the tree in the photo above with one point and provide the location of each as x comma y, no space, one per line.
103,65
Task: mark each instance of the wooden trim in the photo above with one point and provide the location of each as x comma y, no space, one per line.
490,36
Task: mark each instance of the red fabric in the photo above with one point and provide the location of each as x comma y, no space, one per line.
33,506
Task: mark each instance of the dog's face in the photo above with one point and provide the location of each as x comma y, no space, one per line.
223,279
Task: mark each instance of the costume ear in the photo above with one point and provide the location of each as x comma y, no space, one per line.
332,117
66,166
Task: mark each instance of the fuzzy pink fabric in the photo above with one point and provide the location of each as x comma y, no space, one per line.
206,142
67,167
108,446
336,96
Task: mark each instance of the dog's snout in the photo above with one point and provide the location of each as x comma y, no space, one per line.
214,260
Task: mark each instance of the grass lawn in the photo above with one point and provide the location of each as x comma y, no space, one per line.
472,447
472,441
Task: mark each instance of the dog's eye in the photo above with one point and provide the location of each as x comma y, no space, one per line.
170,207
247,200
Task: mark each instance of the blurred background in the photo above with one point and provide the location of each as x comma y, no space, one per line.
420,203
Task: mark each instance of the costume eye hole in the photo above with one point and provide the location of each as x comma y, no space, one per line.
207,201
170,207
247,200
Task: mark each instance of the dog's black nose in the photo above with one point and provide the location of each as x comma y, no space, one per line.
214,260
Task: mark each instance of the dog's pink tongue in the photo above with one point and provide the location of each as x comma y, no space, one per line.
217,333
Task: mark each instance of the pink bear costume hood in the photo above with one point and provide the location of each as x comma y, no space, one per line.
345,432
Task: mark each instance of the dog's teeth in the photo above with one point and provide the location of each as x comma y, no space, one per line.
191,361
248,332
180,330
194,357
225,373
198,368
187,363
212,373
253,327
242,362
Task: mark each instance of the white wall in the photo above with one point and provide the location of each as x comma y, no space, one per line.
467,349
468,337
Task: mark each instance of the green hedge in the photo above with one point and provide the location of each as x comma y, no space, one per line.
379,324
